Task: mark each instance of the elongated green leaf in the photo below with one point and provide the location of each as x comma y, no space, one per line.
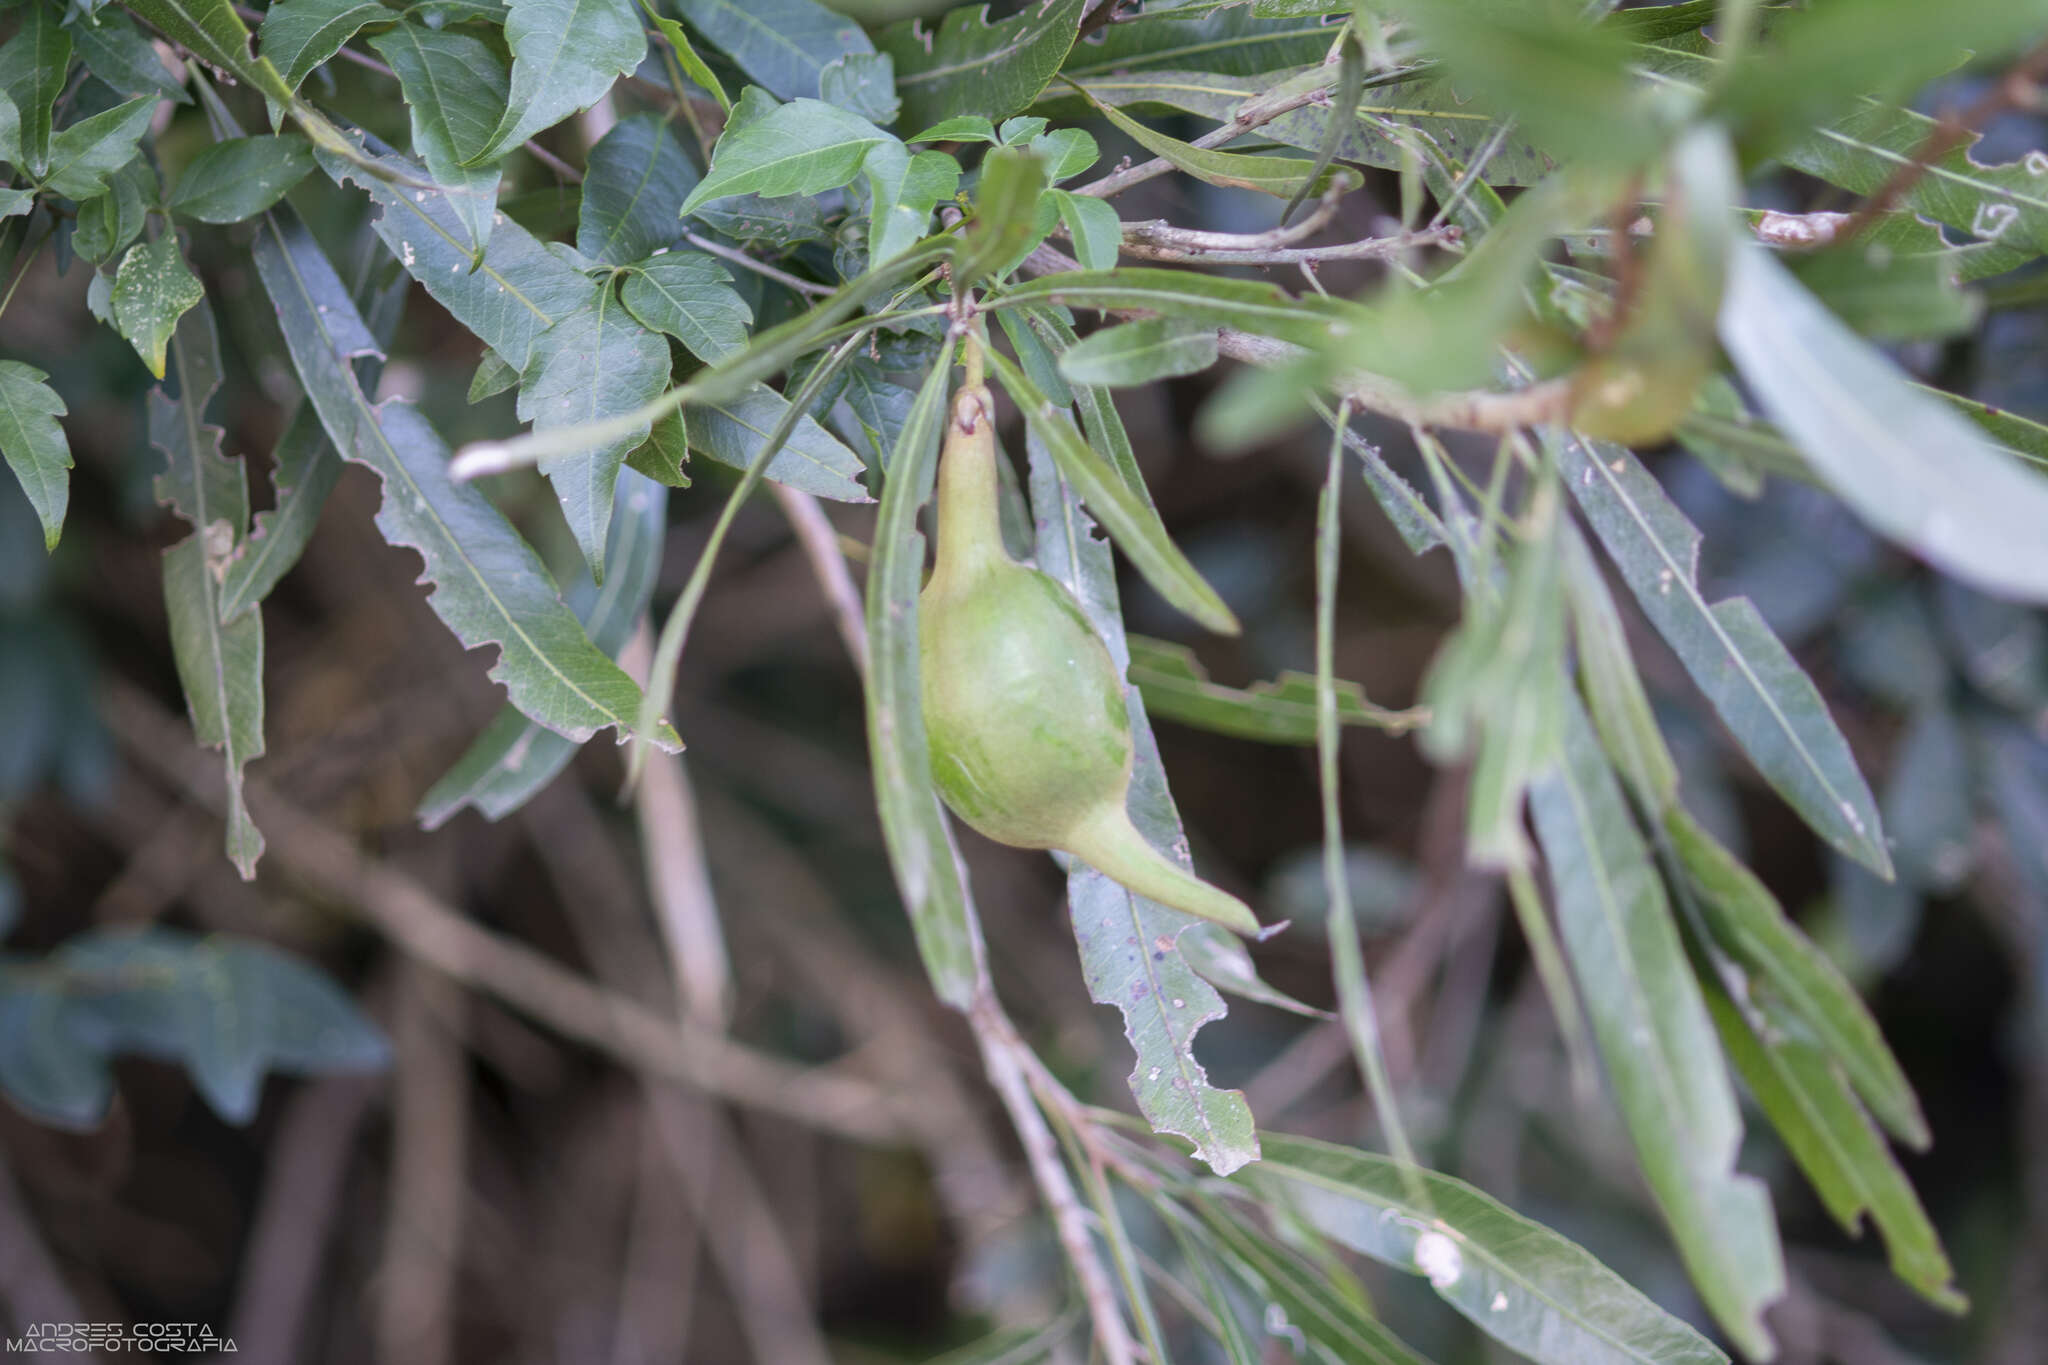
35,445
927,866
514,757
803,147
1768,704
1422,113
455,86
33,66
1309,1304
303,470
1130,946
1136,526
565,55
1247,305
1747,923
633,189
690,296
241,177
782,44
114,50
1005,225
84,155
219,667
967,65
490,586
1836,1145
1656,1039
1135,353
692,64
1232,40
1522,1284
1914,470
732,431
1281,176
1177,688
595,363
211,31
299,35
1614,690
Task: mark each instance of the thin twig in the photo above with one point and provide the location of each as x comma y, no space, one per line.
820,544
1370,248
1250,115
417,921
2017,89
1002,1053
741,258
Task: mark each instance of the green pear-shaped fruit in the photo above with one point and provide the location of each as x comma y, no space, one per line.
1030,741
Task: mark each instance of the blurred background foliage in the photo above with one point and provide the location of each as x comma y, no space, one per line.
505,1194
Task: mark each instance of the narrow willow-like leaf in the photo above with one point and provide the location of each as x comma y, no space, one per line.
1177,688
1135,525
1762,695
1911,468
490,587
304,467
1614,690
1140,353
240,177
1130,953
928,869
220,668
1841,1151
1656,1039
967,65
1530,1289
33,66
1005,222
454,85
1746,922
114,50
514,757
1216,39
693,65
1284,177
1246,305
34,444
213,32
1308,1304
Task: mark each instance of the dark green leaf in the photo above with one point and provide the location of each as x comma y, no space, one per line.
113,218
690,296
92,149
1280,176
1230,40
1005,224
597,362
732,431
514,757
692,65
565,56
1246,305
782,44
633,188
33,66
1140,353
490,586
114,50
1540,1295
862,83
1747,924
967,65
1767,702
804,147
35,445
455,86
299,35
1176,688
241,177
1134,524
1804,1096
903,191
1656,1039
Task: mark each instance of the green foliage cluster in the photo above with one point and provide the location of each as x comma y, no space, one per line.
779,194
